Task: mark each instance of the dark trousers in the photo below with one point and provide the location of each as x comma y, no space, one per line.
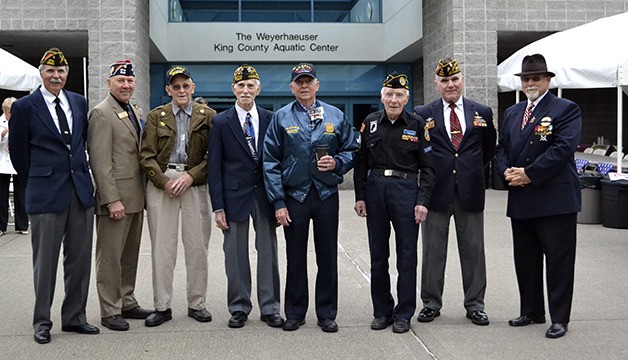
19,208
324,215
554,237
392,200
73,228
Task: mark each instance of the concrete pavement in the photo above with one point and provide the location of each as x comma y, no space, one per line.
597,331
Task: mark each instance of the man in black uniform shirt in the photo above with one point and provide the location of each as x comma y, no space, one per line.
395,145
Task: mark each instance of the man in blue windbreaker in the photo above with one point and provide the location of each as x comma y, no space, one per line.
308,147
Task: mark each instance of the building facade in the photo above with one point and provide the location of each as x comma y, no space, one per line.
353,48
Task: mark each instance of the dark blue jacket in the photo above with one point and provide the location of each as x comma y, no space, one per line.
41,158
234,177
461,170
290,153
545,149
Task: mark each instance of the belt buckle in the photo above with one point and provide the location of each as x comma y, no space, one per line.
388,172
180,167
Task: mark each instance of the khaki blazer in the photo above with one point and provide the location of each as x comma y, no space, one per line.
159,138
113,146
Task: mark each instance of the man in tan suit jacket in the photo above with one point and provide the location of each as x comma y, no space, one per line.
113,143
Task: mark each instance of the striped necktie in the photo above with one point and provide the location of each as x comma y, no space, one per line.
526,115
456,129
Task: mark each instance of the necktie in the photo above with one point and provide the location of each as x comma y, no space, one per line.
129,111
456,129
249,132
526,115
63,122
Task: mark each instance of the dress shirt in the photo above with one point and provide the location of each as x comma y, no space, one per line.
459,112
182,116
49,98
254,118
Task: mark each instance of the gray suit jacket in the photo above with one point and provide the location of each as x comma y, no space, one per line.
113,146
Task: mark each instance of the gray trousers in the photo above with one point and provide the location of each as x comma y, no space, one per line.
470,235
238,268
73,228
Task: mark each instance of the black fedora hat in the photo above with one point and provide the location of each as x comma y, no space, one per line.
534,65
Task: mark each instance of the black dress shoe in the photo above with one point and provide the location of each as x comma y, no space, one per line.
42,336
556,330
273,320
158,317
524,320
292,324
427,314
137,313
200,315
381,322
238,319
478,317
328,325
401,326
115,323
81,329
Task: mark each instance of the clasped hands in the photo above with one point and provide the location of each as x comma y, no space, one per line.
516,176
176,187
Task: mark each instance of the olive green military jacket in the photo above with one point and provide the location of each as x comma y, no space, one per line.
159,137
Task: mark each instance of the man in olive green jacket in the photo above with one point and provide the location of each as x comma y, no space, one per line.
174,158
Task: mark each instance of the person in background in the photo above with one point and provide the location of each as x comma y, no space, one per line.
174,157
236,186
395,146
113,144
463,141
309,145
48,129
7,172
535,155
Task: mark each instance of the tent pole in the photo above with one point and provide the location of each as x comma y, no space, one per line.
517,96
85,77
560,92
620,130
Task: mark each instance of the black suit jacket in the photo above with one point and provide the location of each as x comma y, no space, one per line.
545,149
234,177
41,158
461,170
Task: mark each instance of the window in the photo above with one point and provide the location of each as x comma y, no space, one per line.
325,11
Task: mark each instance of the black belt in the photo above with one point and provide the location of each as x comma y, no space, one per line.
393,173
178,167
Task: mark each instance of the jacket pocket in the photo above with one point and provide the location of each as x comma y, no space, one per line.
40,171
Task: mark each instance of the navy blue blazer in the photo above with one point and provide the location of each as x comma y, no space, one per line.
234,177
461,170
41,158
545,148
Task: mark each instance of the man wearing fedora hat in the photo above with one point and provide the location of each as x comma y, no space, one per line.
535,155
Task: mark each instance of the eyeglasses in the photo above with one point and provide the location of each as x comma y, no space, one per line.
177,87
531,78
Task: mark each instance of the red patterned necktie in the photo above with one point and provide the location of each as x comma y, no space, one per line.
526,115
456,129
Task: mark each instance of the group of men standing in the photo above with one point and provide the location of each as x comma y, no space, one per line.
283,169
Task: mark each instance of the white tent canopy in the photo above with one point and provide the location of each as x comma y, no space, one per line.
593,55
589,56
16,74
